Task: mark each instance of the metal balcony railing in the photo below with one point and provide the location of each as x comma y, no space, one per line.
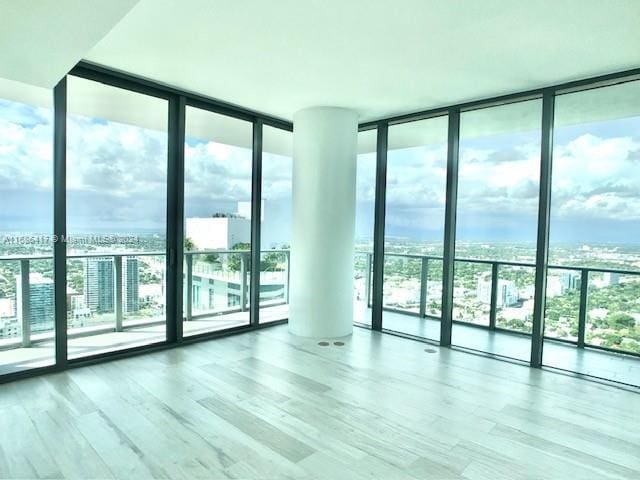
495,267
21,323
214,266
238,276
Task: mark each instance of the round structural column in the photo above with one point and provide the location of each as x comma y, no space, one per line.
323,226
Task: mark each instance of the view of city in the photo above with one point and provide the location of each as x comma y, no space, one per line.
217,281
116,248
613,308
613,311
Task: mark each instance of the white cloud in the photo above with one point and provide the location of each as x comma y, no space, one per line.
119,172
25,155
416,182
594,177
225,178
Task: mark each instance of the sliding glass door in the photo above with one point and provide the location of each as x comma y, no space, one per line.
496,228
217,212
414,227
593,314
116,218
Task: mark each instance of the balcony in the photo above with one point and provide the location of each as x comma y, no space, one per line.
492,306
493,310
116,301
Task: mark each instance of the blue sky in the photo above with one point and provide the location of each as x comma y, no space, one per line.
117,181
595,195
218,176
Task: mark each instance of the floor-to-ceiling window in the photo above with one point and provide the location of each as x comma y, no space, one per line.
26,227
496,228
593,283
116,222
365,213
275,231
217,213
116,218
414,226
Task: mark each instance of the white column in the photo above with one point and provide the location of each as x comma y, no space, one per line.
323,229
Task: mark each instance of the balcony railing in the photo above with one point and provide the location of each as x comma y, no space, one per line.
492,294
277,274
485,301
228,270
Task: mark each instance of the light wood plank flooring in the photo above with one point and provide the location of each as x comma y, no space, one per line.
269,405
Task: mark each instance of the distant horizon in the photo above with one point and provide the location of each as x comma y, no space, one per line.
116,181
400,238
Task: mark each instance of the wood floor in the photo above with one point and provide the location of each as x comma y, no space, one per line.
268,405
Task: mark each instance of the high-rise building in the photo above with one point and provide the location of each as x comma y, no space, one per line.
215,290
99,285
222,230
611,278
130,282
570,281
218,232
507,294
40,301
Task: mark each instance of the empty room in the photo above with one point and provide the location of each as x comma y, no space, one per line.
320,239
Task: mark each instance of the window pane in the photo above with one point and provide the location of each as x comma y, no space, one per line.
595,204
26,227
217,203
414,226
277,170
496,223
595,213
116,218
365,213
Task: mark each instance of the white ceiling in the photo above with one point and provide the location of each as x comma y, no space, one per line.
41,40
380,57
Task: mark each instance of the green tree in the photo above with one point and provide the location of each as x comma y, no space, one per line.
212,258
621,320
271,262
234,263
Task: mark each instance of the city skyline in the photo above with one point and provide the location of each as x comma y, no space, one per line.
117,184
589,203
